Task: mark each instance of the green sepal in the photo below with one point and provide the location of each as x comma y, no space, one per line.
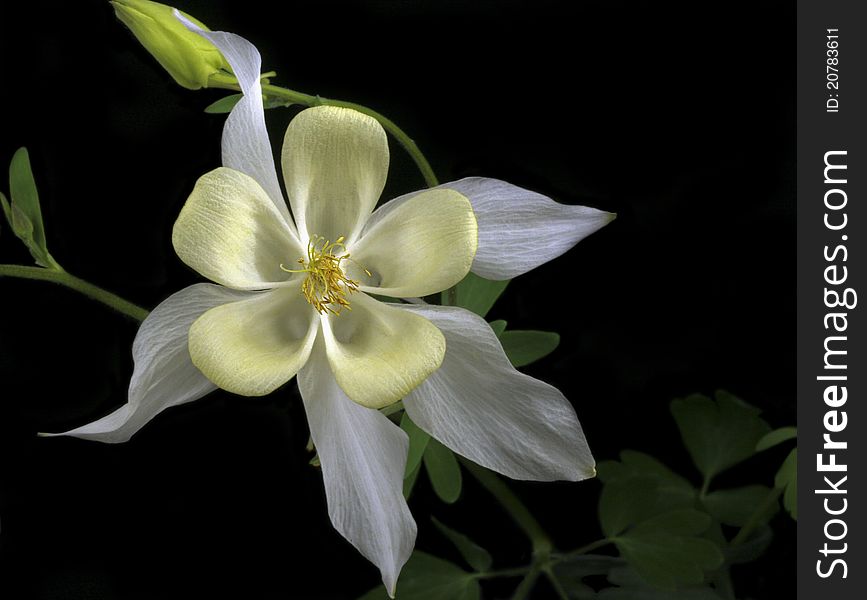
526,347
718,433
426,577
477,294
477,557
443,471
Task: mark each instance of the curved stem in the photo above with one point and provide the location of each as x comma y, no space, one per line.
229,82
754,519
79,285
516,509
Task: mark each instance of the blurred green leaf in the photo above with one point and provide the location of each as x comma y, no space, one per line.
735,506
571,570
751,549
476,556
631,585
418,440
637,488
443,471
498,327
223,105
787,480
666,551
426,577
526,347
777,436
409,481
718,433
478,294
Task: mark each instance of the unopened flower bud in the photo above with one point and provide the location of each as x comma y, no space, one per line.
188,57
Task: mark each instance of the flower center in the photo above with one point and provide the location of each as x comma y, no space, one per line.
326,285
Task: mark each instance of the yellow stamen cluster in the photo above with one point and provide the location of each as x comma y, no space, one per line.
326,286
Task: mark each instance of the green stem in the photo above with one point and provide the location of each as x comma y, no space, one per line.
754,519
229,82
516,509
588,548
526,586
79,285
555,583
502,573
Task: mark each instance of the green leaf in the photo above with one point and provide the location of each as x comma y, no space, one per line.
25,213
777,436
443,470
787,479
478,294
525,347
498,326
637,488
426,577
418,440
476,556
223,105
625,502
666,550
735,506
718,433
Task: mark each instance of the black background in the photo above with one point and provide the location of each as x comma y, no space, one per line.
681,120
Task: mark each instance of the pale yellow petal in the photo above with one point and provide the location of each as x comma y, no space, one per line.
379,353
335,161
232,233
421,247
254,346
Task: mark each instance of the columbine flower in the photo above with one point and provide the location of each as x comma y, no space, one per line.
293,299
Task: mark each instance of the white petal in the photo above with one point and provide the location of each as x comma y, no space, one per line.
478,405
231,233
363,457
246,146
335,161
518,229
423,247
164,375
